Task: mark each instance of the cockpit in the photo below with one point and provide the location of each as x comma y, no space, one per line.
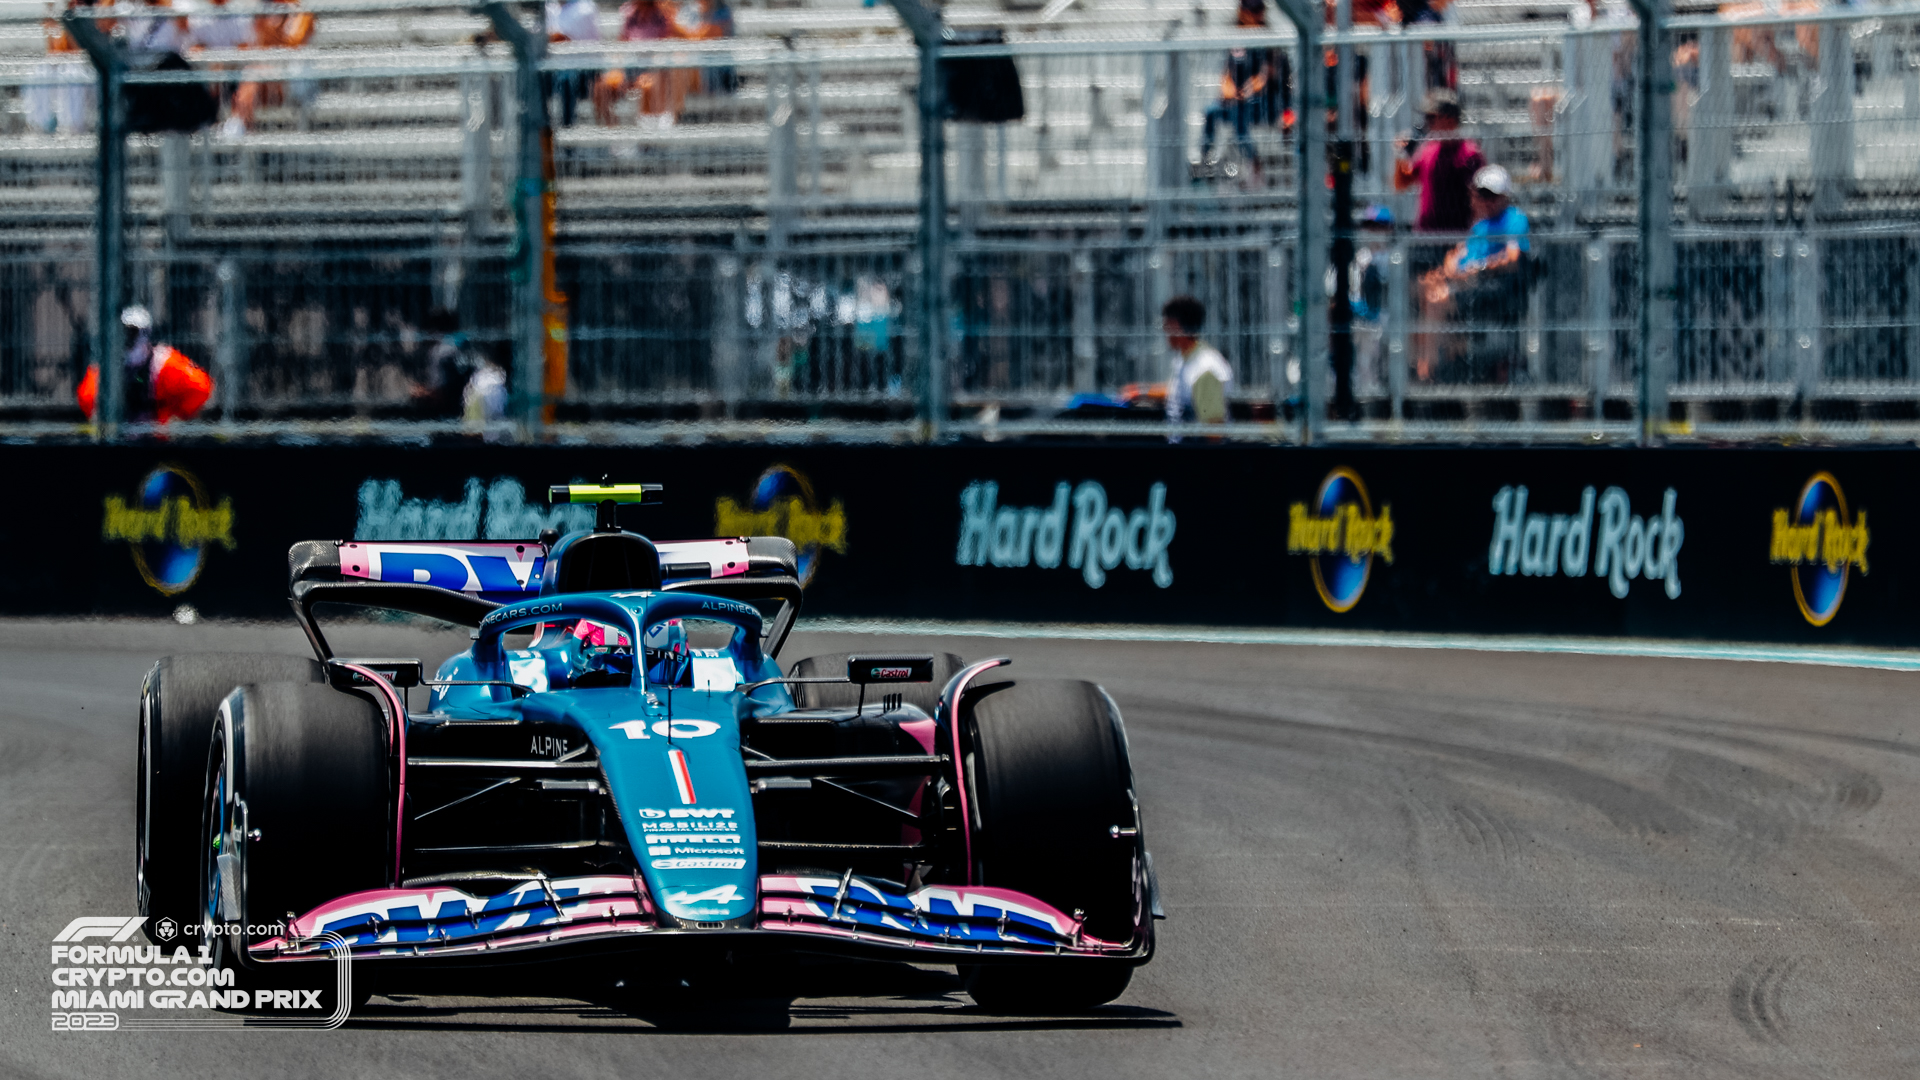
685,642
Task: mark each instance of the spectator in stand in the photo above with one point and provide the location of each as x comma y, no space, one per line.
485,397
1441,69
1442,166
662,91
1200,378
1482,281
1245,91
575,20
713,19
63,99
269,32
450,365
1367,293
214,28
158,33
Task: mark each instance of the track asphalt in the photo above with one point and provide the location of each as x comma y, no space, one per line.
1376,862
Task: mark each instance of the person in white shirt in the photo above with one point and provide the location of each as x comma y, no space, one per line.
1200,378
165,33
213,28
573,20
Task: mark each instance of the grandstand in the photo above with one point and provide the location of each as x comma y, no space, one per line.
755,257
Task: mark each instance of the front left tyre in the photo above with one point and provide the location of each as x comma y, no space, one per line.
1054,817
177,701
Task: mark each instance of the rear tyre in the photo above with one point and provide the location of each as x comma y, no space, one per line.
926,696
1051,792
177,703
296,813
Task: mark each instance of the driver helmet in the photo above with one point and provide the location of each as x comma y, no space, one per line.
666,640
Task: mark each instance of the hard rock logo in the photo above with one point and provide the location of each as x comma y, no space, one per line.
170,523
1821,541
1341,532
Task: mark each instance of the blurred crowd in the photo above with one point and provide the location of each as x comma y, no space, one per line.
658,95
177,30
183,31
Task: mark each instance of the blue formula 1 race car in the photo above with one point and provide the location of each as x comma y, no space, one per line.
618,768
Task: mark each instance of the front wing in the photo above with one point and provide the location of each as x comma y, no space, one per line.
816,913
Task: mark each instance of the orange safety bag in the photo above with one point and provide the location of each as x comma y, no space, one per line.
180,386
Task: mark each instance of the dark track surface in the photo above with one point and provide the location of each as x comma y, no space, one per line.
1377,863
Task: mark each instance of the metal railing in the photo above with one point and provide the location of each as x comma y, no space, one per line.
740,243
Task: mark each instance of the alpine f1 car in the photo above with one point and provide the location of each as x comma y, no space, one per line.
618,763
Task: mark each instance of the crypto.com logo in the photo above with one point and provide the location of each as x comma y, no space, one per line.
111,927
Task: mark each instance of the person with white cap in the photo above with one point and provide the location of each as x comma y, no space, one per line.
160,382
1480,280
1497,240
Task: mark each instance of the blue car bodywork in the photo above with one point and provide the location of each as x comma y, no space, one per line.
591,787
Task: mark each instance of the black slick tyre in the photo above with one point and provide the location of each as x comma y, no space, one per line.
296,812
1051,792
1041,987
177,702
925,696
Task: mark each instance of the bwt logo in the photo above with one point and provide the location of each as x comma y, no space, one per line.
1102,538
1626,545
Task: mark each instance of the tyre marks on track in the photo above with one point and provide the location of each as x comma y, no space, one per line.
1756,998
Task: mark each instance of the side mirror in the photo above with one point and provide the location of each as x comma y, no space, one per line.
871,670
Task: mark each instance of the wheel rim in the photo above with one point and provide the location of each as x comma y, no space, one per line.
214,841
143,812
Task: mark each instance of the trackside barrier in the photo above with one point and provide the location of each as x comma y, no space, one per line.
1791,546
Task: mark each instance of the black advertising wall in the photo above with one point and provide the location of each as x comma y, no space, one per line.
1766,545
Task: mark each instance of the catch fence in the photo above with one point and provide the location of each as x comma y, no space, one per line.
739,235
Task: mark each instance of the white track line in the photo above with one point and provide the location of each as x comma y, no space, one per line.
1826,656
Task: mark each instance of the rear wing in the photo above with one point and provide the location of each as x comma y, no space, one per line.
461,581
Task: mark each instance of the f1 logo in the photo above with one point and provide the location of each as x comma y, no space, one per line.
101,926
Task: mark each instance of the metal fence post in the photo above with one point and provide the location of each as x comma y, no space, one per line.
529,210
729,375
176,183
783,154
1584,134
109,225
1599,332
1710,127
1655,158
1274,285
1086,375
1310,261
924,22
230,354
1169,134
476,150
1805,277
1831,140
1399,314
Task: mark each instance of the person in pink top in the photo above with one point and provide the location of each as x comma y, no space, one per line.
662,92
1443,166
